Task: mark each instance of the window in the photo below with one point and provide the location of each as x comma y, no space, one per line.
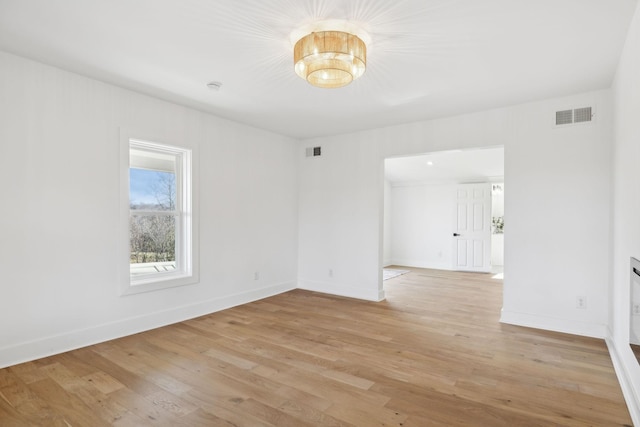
159,216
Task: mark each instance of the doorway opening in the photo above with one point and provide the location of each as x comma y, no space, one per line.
423,219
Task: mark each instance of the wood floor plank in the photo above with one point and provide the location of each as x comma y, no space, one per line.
20,405
66,405
432,354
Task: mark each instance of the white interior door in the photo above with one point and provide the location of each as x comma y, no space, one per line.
472,236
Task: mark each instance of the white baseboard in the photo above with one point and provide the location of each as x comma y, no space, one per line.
630,391
421,264
30,350
373,294
593,330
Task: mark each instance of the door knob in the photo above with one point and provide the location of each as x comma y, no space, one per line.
455,234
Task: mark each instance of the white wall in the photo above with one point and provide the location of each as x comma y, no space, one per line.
341,228
626,210
59,167
558,241
422,223
386,257
557,244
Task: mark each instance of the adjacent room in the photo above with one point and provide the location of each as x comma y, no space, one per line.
201,199
429,220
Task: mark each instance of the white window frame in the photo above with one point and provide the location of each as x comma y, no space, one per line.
186,271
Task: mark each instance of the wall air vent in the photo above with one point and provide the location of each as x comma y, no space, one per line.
313,151
581,115
578,115
564,117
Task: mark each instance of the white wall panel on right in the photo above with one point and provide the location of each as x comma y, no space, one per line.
626,210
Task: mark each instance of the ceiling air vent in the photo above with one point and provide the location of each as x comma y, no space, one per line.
313,151
578,115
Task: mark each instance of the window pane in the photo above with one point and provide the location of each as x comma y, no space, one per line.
152,190
153,243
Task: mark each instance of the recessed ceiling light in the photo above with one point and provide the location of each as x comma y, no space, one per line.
429,163
214,85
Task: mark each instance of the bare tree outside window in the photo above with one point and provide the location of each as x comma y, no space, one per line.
152,223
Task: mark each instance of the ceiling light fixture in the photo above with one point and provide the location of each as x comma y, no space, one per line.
330,58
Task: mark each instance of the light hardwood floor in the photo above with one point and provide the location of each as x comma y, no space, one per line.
636,351
432,354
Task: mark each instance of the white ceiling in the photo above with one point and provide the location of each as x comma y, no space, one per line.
455,166
426,59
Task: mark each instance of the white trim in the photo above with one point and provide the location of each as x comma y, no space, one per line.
55,344
631,396
418,263
566,326
441,182
187,268
342,290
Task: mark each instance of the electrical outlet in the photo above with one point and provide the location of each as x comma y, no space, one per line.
256,275
581,302
636,309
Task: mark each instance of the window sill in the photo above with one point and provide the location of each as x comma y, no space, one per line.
158,282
